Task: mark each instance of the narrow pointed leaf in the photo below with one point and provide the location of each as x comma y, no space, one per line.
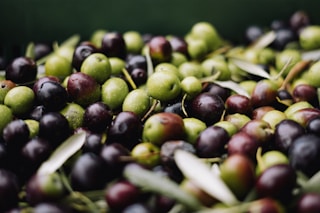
30,50
313,184
233,86
150,69
313,55
265,40
250,68
152,182
194,169
68,148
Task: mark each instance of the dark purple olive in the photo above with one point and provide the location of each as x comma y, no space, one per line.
51,207
88,173
37,112
41,80
54,127
126,129
81,52
167,156
284,37
216,89
277,182
212,142
52,95
22,70
136,61
139,76
113,45
313,126
122,194
304,154
94,142
309,202
97,117
16,134
207,107
278,24
299,20
252,33
285,133
178,44
305,92
9,190
115,156
41,49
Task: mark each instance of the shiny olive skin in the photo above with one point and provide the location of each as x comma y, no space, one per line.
21,70
9,189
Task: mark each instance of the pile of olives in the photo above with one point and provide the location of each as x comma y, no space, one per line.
133,122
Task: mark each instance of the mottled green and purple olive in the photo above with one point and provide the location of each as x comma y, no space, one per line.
5,86
238,172
162,127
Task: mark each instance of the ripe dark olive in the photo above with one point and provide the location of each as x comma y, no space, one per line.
309,202
266,205
21,70
9,190
15,135
115,156
278,24
42,49
97,117
260,130
160,49
136,61
121,194
34,152
113,45
304,154
243,143
83,89
51,207
252,33
216,89
126,129
305,92
37,112
206,107
313,126
41,80
276,182
139,76
52,95
299,20
88,173
137,207
174,108
54,127
238,104
167,156
285,133
212,142
93,143
264,93
80,53
284,37
178,44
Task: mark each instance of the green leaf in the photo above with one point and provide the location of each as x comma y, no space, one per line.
150,69
313,184
62,153
250,68
233,86
194,169
264,40
152,182
30,50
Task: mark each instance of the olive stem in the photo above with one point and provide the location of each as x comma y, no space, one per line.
30,50
129,79
259,159
153,106
182,105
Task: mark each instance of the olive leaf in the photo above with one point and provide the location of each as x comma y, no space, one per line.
313,55
313,184
233,86
30,50
194,169
149,181
150,69
250,68
68,148
265,40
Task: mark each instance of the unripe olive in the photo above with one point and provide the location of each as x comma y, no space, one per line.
310,37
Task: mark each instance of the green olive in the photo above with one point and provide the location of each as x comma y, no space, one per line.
113,92
288,55
137,101
134,41
190,68
146,153
117,65
193,128
6,116
74,114
191,85
58,66
20,99
309,37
